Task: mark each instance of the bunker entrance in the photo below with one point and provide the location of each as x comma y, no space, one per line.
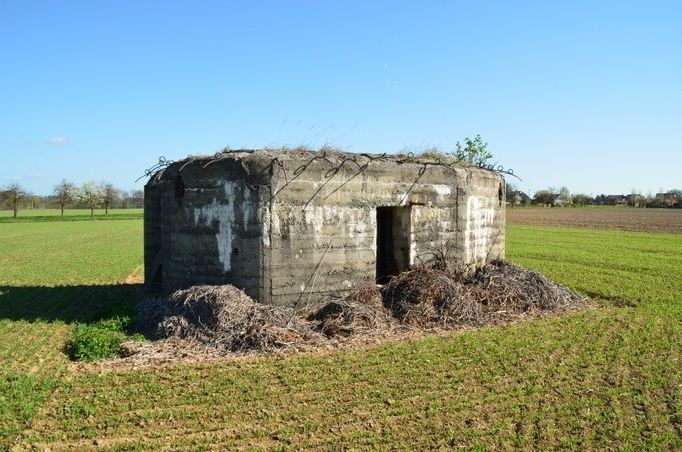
393,242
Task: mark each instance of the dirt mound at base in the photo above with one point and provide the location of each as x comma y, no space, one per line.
225,318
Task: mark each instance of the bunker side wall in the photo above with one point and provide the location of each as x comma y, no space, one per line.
481,218
153,235
206,229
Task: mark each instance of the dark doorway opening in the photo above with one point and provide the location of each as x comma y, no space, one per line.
393,242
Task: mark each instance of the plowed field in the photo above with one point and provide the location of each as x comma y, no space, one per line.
618,218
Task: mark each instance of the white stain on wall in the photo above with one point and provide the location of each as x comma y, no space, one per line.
479,223
442,190
264,213
223,213
247,208
353,223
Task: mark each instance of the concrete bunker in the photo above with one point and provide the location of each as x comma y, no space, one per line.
296,227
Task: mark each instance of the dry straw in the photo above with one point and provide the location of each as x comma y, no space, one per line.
226,319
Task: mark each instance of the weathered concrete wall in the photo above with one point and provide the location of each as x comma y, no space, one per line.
481,218
323,244
208,226
296,233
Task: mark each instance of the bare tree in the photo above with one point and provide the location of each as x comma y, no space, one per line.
12,194
109,195
138,198
65,193
510,193
91,195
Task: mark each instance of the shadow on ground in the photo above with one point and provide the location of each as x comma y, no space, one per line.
68,304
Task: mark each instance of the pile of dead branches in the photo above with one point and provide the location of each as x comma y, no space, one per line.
150,313
361,312
226,319
223,319
427,296
505,289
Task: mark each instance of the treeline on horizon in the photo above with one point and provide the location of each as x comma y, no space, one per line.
89,195
563,197
92,195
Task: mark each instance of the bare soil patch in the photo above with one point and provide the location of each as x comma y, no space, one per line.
615,218
136,277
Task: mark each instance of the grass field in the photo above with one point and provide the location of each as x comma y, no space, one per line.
51,275
50,215
605,378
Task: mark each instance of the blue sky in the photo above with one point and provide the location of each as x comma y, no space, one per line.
583,94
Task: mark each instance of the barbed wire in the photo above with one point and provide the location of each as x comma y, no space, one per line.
160,165
410,158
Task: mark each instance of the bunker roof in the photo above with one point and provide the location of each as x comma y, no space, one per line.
257,161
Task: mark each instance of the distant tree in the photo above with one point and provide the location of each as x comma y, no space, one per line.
474,151
65,193
526,199
599,200
565,195
582,199
124,200
651,200
635,199
12,194
510,193
544,197
138,198
34,201
91,195
109,196
677,192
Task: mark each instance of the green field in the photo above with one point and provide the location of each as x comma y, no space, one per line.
604,378
50,215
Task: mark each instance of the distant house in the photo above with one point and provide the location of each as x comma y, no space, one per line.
616,200
667,199
518,198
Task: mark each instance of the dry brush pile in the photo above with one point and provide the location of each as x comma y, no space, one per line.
224,319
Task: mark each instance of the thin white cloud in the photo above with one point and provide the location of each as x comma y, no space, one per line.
58,141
